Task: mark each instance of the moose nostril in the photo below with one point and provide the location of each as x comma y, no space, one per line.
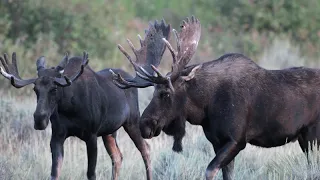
154,122
39,116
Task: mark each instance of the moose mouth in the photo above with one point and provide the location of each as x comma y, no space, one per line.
154,133
157,132
41,125
150,132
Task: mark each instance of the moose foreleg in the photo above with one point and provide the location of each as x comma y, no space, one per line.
56,145
223,157
142,146
92,157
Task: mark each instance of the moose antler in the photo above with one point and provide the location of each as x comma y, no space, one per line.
65,81
150,53
11,72
187,42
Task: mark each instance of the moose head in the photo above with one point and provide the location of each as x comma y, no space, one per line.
166,110
47,86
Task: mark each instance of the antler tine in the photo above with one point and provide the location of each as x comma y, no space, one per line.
135,66
5,74
187,41
6,58
151,26
11,73
146,73
163,22
66,56
193,19
84,63
122,83
142,76
155,79
184,23
157,71
172,51
4,63
188,20
176,35
124,52
85,56
132,46
140,40
122,86
119,80
65,81
14,60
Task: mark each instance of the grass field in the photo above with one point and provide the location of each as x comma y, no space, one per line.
25,153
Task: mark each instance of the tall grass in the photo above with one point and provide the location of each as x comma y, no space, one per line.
25,152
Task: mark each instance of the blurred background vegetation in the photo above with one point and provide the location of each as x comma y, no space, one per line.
37,27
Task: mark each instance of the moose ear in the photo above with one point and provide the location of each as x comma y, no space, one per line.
63,64
192,73
41,63
60,69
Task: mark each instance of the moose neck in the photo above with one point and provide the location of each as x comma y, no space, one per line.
194,106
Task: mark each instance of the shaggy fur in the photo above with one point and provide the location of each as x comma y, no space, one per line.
237,102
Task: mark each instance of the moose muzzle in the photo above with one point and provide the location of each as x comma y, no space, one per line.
41,120
149,128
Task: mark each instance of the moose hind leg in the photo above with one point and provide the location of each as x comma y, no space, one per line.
92,151
307,139
113,150
304,146
227,171
223,157
142,146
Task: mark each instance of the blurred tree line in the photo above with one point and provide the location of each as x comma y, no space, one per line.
42,27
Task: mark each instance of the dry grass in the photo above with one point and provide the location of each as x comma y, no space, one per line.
25,153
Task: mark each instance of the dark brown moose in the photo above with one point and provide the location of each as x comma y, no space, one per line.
233,99
90,106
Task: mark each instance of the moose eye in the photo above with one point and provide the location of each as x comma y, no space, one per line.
53,90
164,95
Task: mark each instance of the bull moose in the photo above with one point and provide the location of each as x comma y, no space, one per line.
88,107
234,100
88,104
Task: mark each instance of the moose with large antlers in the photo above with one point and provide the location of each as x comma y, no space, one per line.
232,98
89,104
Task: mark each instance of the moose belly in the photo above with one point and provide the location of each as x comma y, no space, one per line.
273,140
275,132
279,124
